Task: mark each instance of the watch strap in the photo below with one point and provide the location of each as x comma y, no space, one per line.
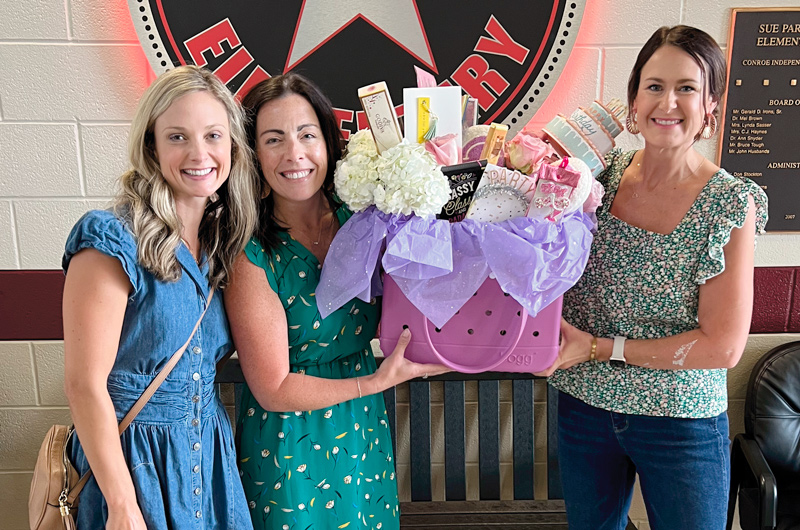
618,351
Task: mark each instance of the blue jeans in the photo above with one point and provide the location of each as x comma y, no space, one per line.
683,466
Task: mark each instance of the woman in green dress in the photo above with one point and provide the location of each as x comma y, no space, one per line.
314,444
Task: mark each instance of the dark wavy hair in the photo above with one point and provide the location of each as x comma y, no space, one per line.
275,88
699,45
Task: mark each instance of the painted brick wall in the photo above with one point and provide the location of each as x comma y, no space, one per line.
72,73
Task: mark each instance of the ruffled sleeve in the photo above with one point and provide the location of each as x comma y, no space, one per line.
732,212
105,232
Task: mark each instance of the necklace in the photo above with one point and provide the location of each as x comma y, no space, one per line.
640,171
319,234
191,250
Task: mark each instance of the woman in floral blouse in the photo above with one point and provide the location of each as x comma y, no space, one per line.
314,444
663,309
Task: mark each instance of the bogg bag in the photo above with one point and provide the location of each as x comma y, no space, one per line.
490,332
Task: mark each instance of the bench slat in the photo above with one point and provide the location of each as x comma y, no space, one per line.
419,412
523,439
489,439
454,442
554,490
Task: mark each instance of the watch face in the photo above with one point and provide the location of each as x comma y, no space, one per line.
494,203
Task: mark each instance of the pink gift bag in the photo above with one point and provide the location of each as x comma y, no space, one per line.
490,332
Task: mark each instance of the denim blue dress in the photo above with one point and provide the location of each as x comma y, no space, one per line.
179,449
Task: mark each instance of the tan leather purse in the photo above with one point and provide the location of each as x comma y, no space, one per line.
55,487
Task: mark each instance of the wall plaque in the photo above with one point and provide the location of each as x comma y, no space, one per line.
760,133
507,55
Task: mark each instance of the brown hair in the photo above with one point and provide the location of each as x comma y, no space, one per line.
276,88
699,45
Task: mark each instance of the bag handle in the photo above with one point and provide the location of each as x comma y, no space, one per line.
145,397
475,369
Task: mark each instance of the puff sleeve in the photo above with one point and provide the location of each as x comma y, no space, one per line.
105,232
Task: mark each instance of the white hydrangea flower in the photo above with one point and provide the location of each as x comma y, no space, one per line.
402,180
362,142
356,180
412,182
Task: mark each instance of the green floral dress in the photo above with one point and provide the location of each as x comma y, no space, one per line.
319,469
645,285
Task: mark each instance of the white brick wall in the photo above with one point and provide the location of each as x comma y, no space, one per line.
72,71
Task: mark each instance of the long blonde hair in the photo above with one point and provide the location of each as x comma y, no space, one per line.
146,201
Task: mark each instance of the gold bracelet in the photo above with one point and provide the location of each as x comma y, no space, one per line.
359,387
593,353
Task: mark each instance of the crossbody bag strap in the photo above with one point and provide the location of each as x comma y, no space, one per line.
145,397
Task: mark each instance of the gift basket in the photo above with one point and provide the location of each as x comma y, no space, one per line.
470,239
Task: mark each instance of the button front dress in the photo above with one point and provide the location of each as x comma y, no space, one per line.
320,469
179,449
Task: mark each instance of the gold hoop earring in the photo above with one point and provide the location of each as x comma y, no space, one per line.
630,123
710,128
265,190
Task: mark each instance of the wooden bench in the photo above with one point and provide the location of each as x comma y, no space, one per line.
525,511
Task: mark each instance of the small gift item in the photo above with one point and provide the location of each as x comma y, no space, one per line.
584,187
493,148
508,177
474,140
588,133
502,194
554,191
383,123
469,116
494,203
440,106
463,180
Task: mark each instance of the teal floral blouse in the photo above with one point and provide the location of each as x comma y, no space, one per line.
318,469
645,285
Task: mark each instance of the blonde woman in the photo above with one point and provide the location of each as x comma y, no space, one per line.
138,278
